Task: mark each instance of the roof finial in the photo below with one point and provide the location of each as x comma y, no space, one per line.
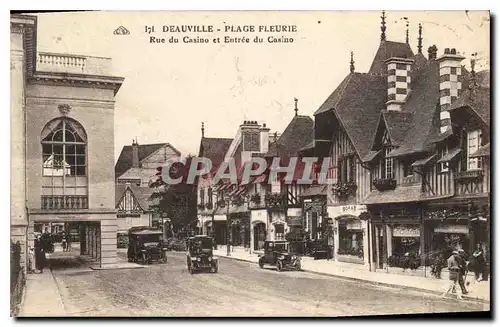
351,66
407,31
382,27
419,38
296,108
473,85
202,129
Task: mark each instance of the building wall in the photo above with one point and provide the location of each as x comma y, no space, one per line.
18,217
158,157
94,110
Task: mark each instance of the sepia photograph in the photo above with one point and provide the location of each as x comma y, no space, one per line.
250,164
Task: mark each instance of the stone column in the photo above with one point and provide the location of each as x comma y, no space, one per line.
108,232
389,240
336,238
18,218
366,242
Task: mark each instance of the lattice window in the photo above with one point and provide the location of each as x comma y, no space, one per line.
473,144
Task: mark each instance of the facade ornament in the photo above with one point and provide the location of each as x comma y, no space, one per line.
351,66
382,26
419,38
407,30
202,129
296,108
64,109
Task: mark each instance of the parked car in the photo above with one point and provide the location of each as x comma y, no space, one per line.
276,253
199,254
146,246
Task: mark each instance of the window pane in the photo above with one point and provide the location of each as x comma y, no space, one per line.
70,149
47,149
58,136
70,159
80,170
57,149
80,149
80,160
69,136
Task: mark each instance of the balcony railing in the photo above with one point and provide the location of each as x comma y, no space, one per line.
409,180
61,202
469,175
70,63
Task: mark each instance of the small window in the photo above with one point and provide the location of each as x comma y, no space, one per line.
443,167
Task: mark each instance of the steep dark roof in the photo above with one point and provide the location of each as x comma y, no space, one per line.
423,102
142,194
478,100
214,149
398,123
386,50
124,162
420,61
298,133
483,78
357,102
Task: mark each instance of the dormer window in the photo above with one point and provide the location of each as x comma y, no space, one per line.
474,139
443,166
388,164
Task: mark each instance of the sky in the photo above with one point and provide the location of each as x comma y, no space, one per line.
169,89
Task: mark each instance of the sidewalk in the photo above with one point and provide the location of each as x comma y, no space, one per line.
479,291
42,297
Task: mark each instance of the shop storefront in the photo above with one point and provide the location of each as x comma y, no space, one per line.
350,234
258,231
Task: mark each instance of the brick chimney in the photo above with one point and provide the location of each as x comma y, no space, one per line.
398,81
432,52
450,68
264,138
250,133
135,154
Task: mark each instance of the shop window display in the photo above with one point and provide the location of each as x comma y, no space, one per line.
350,239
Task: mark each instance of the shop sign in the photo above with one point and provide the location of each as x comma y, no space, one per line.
452,229
403,231
352,208
294,221
356,225
294,212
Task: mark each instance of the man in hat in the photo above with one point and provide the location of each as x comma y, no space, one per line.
454,268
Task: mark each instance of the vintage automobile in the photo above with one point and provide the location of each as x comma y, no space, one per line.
199,254
276,253
145,245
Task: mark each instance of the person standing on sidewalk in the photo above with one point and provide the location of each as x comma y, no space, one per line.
454,268
478,263
39,255
462,263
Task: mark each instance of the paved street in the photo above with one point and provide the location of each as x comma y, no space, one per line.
239,289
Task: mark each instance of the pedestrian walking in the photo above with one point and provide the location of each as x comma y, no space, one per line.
64,244
462,263
31,259
454,269
478,263
68,241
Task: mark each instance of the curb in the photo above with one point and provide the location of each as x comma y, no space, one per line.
423,290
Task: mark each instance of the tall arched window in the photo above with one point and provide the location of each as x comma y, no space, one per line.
64,164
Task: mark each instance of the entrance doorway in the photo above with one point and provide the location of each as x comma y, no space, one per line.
259,235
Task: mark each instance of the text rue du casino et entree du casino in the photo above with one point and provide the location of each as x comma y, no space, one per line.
235,33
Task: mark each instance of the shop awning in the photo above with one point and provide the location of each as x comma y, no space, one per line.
450,155
423,162
483,151
398,195
370,156
314,190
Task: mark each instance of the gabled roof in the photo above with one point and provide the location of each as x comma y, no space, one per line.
398,123
386,50
478,100
298,133
423,102
142,194
124,162
214,149
357,102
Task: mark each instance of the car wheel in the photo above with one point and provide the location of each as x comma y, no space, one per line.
261,262
279,265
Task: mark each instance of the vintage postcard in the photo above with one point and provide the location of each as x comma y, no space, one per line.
250,164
